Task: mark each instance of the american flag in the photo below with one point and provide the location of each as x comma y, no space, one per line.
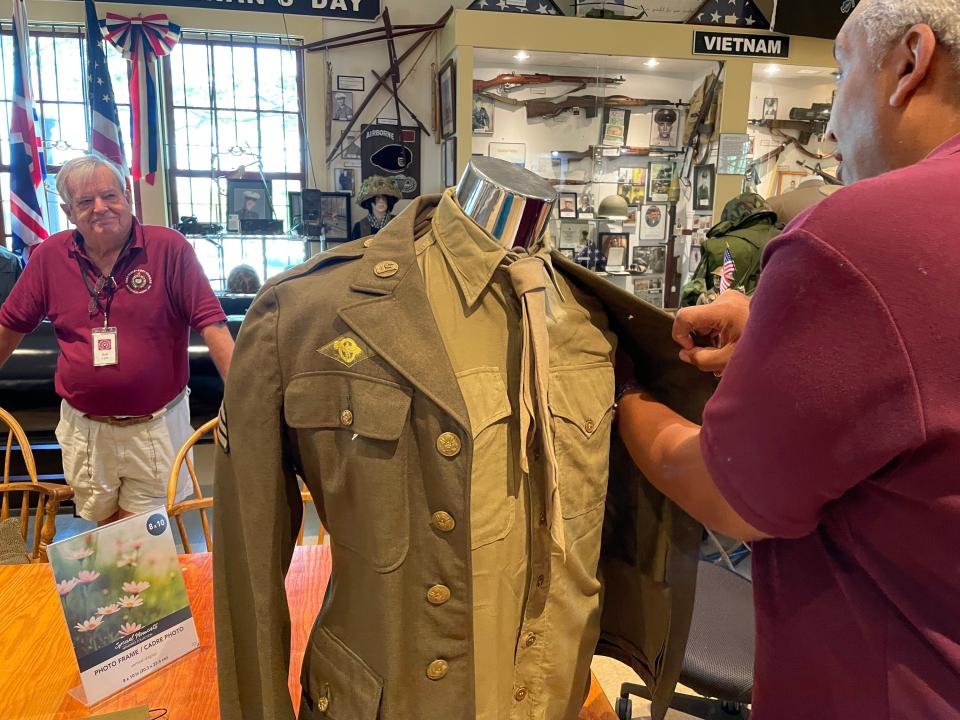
728,272
27,170
534,7
736,13
105,137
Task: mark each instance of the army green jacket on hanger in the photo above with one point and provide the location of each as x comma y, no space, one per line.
409,523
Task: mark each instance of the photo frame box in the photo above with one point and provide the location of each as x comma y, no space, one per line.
659,138
659,180
567,205
355,83
482,117
447,95
449,153
704,186
345,179
294,208
771,107
342,112
574,234
652,222
239,191
327,214
649,259
616,126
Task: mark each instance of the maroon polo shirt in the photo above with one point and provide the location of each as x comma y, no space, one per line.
161,293
836,429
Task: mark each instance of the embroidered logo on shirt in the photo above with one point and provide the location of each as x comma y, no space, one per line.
346,350
139,281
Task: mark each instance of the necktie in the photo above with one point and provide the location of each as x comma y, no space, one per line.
528,276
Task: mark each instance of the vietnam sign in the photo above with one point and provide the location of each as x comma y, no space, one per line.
339,9
741,44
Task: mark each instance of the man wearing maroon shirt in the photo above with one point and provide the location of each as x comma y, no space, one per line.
122,298
834,437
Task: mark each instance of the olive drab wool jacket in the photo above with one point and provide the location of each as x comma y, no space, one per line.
397,510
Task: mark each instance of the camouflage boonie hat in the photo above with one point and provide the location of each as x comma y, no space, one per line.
740,208
377,185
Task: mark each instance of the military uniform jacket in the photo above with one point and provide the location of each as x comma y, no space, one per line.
364,437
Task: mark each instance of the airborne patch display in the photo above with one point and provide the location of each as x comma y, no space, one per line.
392,152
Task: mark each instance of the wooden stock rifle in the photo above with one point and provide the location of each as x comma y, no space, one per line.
537,108
512,80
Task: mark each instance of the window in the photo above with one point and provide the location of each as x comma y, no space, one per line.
233,110
58,71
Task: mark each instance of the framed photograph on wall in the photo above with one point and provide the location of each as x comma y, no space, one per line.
788,180
704,181
342,106
665,126
449,162
351,82
351,148
770,108
660,178
247,200
294,209
447,82
652,222
586,209
649,259
616,125
482,115
567,205
574,235
614,247
346,179
515,153
327,214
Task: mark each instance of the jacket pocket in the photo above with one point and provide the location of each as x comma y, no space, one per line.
493,478
353,433
337,684
581,400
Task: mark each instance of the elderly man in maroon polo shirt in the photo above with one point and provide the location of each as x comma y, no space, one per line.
122,298
833,440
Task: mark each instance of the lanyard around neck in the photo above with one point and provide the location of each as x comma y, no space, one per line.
104,283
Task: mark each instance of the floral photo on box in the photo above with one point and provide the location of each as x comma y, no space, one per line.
114,582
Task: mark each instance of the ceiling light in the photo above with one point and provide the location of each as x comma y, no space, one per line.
521,56
772,69
652,63
808,71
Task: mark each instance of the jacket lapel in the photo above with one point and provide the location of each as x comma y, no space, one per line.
393,314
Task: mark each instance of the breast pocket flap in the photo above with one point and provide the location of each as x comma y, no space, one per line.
583,396
370,407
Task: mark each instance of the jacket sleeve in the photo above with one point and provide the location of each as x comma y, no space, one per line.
256,518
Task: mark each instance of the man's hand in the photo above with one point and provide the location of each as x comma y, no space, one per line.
721,324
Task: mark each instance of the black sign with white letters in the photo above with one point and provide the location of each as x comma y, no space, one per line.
338,9
741,44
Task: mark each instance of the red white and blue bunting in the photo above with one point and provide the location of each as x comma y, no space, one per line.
142,40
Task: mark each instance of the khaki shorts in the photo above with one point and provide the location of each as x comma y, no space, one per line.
111,468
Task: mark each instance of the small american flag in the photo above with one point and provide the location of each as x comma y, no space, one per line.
728,272
105,137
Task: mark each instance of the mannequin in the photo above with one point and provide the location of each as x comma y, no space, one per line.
445,392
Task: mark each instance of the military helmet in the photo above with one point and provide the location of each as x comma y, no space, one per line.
665,115
377,185
742,207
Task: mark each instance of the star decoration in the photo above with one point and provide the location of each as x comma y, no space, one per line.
750,21
540,7
699,17
106,98
543,10
715,17
502,4
744,13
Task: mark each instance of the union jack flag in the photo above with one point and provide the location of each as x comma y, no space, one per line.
27,169
105,137
728,272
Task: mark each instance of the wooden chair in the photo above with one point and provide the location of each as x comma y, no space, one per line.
199,502
47,496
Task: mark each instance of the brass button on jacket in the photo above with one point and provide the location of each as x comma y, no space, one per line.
529,639
346,418
438,594
520,695
443,521
437,670
448,445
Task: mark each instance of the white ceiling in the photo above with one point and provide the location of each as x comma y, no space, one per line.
793,72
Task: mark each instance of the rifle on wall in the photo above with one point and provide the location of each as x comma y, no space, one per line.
590,104
510,81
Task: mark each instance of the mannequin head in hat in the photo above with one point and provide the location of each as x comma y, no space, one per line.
898,88
378,196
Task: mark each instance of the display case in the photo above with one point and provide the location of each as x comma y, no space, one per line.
269,255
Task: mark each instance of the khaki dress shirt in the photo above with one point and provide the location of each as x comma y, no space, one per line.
536,613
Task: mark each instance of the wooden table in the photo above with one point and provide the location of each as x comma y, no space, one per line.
38,668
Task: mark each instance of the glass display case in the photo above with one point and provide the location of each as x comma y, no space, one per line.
610,134
269,255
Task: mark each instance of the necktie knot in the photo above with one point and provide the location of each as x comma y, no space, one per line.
527,274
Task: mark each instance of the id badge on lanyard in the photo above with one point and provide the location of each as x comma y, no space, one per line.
104,346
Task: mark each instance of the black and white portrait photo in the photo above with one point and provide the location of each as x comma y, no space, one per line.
346,179
770,107
665,128
343,106
567,205
704,177
482,116
247,199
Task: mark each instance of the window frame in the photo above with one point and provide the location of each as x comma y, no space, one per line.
231,40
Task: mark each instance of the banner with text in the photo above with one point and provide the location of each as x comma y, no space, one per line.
741,45
335,9
124,601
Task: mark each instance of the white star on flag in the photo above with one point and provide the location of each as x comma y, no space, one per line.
543,10
751,21
715,17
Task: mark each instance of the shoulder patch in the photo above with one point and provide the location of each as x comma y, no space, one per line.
347,350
